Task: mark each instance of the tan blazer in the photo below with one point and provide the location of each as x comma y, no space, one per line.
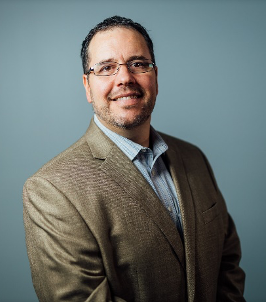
96,231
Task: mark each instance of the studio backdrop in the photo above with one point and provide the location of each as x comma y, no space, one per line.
212,78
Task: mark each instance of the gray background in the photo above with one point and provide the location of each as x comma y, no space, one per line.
212,72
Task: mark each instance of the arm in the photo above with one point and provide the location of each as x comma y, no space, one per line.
64,256
231,277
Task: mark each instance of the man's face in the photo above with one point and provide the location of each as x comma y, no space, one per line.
124,100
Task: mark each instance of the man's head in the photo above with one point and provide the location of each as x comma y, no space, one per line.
107,24
125,97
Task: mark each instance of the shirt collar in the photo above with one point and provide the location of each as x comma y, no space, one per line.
130,148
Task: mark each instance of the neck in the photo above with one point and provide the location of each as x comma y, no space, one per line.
139,134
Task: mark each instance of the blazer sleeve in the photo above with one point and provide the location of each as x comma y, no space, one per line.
231,279
64,256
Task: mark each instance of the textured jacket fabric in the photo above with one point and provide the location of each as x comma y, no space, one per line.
96,230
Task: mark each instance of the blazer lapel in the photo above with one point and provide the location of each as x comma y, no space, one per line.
121,170
179,176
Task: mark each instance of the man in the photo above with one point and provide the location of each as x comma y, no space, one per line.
127,214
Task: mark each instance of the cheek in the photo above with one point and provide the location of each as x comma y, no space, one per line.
152,88
150,85
101,90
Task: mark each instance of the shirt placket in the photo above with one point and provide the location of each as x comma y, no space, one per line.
160,186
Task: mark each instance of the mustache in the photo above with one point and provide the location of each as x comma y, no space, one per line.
126,90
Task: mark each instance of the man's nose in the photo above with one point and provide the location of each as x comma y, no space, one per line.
124,76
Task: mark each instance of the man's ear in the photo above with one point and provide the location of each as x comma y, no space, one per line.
87,87
156,73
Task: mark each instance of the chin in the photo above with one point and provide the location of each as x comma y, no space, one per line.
130,123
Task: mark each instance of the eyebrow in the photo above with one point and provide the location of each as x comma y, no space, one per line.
137,58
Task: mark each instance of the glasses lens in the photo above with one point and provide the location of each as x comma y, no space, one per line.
140,66
105,68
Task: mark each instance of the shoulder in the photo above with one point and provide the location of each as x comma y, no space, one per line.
91,147
66,161
188,151
194,160
176,143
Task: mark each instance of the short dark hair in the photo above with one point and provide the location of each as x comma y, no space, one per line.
115,21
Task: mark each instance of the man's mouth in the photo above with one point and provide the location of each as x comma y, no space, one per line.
126,95
124,98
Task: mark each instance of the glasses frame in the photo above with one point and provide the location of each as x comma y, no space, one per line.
118,68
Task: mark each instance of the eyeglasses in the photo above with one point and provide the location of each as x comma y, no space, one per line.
112,68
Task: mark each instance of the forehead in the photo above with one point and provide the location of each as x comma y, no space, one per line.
117,44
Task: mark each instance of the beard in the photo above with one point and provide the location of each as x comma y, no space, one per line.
105,113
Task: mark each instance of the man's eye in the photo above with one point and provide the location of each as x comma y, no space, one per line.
105,68
139,64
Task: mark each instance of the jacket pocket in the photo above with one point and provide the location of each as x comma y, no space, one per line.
210,214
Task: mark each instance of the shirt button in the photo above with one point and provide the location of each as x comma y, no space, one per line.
169,209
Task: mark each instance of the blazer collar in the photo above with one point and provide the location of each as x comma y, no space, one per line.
100,145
